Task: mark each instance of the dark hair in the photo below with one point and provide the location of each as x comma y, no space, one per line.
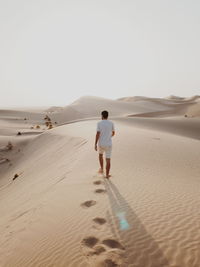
104,114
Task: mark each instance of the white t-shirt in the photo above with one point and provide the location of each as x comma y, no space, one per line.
105,127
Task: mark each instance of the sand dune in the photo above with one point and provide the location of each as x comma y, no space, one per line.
88,107
194,110
175,98
176,106
180,126
58,211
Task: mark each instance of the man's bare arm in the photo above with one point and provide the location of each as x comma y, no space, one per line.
113,133
96,140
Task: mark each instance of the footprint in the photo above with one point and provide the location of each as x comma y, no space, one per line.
99,220
88,203
99,249
90,241
108,253
100,191
110,263
112,243
97,182
110,259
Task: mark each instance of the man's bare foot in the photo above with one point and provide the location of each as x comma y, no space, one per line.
108,176
100,170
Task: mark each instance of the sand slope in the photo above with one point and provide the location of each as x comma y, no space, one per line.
60,212
194,110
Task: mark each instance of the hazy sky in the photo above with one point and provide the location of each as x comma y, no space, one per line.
54,51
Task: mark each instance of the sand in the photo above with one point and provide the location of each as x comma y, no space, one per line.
58,211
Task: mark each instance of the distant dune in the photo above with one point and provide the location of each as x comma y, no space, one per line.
194,110
58,211
89,107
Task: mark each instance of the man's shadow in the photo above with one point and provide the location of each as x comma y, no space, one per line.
141,248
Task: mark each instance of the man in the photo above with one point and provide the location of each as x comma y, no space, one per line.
105,131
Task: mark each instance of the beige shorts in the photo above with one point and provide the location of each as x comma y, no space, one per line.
107,150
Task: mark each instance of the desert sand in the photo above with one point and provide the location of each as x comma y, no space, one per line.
56,210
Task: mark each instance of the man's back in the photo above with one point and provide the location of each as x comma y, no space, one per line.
105,127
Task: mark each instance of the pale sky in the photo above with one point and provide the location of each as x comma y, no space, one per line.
55,51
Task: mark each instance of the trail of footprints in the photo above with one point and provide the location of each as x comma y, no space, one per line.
103,253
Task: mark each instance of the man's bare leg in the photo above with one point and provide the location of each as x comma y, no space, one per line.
101,163
107,168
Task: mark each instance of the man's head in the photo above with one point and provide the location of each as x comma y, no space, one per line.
104,115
